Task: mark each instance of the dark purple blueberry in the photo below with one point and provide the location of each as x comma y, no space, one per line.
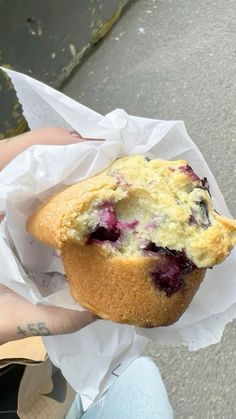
192,220
205,220
152,247
109,228
106,229
205,185
168,275
107,215
102,234
184,262
190,172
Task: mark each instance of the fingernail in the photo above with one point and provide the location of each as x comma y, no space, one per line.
75,134
78,135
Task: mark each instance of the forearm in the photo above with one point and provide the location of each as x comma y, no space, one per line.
22,319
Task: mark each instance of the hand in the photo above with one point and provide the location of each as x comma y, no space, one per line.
19,317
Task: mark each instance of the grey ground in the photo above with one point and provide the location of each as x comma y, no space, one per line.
173,59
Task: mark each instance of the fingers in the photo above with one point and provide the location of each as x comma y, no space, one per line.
11,147
51,135
75,134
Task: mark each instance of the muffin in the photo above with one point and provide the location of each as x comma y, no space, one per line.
136,239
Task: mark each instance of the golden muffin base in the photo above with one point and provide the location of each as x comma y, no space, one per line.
121,289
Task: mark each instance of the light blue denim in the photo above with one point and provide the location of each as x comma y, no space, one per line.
139,393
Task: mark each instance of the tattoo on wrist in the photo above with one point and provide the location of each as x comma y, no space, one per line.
33,329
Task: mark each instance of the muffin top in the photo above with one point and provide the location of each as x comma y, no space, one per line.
139,207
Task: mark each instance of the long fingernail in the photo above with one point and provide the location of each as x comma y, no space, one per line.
78,135
75,134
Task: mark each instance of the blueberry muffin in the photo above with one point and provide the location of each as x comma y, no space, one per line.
136,239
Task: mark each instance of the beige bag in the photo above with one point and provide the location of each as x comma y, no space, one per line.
43,392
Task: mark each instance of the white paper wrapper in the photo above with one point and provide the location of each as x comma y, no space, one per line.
91,358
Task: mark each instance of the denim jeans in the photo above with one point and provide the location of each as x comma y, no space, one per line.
139,393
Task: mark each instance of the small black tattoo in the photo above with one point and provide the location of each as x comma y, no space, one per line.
33,329
6,140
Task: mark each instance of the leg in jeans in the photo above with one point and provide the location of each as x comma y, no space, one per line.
139,393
